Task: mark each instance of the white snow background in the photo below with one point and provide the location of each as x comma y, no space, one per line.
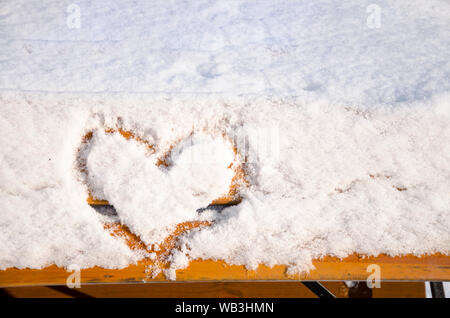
361,109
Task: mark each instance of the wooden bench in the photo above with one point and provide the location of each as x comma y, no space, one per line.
354,267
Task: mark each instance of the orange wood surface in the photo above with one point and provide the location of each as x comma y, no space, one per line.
217,290
354,267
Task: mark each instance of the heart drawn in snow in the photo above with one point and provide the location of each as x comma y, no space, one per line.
158,197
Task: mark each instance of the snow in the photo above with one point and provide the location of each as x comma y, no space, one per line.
153,200
308,49
345,128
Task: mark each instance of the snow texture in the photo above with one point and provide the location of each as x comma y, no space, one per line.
345,122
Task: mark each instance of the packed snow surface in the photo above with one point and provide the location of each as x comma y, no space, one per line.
339,113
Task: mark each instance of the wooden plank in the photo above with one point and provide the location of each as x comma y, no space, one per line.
170,290
354,267
400,290
211,290
386,290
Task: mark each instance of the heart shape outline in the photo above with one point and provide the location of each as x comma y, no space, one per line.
154,256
